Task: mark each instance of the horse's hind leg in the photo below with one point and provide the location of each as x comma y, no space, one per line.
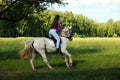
31,61
46,61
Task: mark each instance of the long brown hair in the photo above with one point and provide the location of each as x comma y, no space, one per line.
55,21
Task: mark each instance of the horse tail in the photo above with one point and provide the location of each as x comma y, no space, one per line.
27,51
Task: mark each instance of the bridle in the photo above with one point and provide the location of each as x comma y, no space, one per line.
68,33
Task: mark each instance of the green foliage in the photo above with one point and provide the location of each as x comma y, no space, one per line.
16,10
30,18
7,29
39,23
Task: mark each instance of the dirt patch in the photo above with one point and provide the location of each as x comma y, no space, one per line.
14,72
11,72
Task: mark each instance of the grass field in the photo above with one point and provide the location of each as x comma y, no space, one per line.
93,59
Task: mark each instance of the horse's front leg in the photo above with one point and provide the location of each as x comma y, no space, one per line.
67,64
70,57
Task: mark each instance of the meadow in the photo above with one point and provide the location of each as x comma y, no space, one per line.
93,59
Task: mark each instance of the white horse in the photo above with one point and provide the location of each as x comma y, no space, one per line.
43,44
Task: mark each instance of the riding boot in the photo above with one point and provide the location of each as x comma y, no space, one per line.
60,52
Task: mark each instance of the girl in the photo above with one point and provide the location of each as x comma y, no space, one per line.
55,30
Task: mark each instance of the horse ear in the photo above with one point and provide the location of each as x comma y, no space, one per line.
65,28
70,27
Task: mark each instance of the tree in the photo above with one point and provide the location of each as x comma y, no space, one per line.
16,10
110,28
13,12
117,28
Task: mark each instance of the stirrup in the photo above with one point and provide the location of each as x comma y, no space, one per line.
58,50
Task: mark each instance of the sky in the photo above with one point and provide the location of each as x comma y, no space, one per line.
98,10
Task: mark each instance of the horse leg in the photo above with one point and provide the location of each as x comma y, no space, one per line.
42,53
31,61
65,59
69,55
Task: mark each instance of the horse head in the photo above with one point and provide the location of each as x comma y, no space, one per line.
66,32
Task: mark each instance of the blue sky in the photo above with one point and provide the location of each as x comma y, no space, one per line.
99,10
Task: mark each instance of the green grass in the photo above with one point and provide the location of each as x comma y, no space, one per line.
93,59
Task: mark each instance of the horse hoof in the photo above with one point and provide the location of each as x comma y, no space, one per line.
34,70
70,64
51,68
68,67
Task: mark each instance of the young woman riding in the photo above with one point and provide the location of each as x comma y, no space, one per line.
55,30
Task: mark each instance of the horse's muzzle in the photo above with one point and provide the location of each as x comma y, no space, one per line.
70,39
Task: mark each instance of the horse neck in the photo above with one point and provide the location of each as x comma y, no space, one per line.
63,41
62,34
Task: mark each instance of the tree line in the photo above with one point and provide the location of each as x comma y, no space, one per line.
39,23
31,18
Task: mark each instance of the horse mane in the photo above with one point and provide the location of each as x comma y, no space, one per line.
64,30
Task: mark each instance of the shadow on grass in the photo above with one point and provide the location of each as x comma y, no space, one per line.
9,55
60,65
86,50
13,54
73,74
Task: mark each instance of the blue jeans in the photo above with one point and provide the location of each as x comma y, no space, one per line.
53,33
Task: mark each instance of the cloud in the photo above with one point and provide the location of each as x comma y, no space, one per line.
100,10
93,5
90,2
116,16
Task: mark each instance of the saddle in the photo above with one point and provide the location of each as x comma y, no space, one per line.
54,40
